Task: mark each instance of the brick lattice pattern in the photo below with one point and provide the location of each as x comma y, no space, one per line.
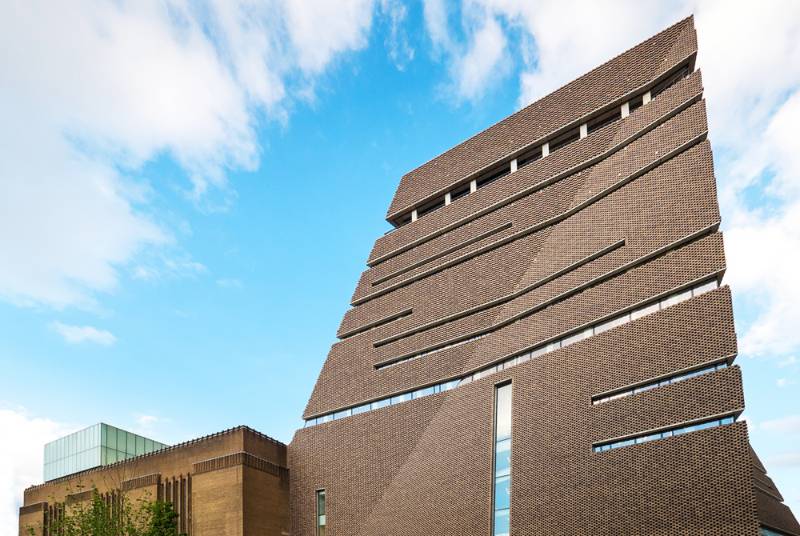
620,223
627,213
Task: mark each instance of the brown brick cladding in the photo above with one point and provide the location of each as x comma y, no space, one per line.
772,512
529,210
677,198
596,89
432,461
623,216
219,484
574,156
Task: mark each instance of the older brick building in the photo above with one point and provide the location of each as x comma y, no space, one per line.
541,346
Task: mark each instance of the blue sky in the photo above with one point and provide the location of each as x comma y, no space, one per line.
191,191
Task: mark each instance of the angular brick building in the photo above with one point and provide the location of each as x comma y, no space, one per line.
541,346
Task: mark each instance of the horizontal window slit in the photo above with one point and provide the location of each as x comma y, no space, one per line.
659,88
529,157
460,192
564,140
604,120
493,176
523,160
670,432
659,383
550,346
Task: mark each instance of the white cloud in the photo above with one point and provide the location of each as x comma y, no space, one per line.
751,74
400,51
479,62
81,334
146,420
436,24
784,382
785,425
92,91
21,458
787,459
320,29
592,33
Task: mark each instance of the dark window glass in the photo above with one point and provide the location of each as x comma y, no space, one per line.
402,220
635,103
321,518
459,192
493,176
531,156
603,120
682,73
565,139
430,207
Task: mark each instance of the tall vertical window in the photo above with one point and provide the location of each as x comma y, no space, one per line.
501,498
321,512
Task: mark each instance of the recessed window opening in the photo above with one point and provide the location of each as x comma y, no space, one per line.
321,517
551,346
430,206
493,176
769,532
459,192
604,120
531,156
680,74
680,430
636,102
565,139
402,220
659,383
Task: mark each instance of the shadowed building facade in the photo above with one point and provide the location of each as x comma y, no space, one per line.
543,345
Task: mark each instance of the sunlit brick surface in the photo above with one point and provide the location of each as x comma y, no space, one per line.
601,227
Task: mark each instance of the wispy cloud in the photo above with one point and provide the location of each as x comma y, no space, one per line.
787,459
478,60
82,334
753,99
400,50
93,91
785,425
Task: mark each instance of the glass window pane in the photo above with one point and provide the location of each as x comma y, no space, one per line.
112,438
502,524
400,398
321,517
503,458
502,492
361,409
503,412
380,403
321,503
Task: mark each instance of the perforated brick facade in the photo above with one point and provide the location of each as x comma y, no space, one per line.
610,229
589,275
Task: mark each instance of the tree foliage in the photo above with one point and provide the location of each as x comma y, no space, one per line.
116,516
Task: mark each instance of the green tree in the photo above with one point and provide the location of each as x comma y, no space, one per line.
116,516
